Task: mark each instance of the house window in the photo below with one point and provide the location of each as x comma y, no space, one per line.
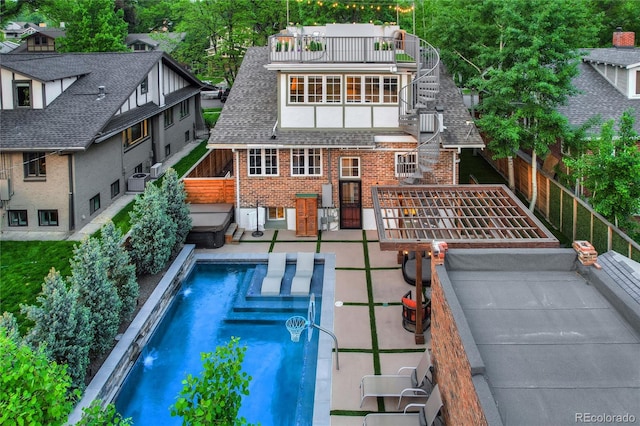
40,40
390,90
135,134
22,94
168,117
115,188
139,46
144,86
263,162
275,213
18,218
405,163
167,150
48,217
372,89
334,86
296,88
184,108
354,89
315,88
350,167
94,204
638,82
186,136
34,165
306,162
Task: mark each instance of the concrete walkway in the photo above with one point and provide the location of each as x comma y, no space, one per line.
368,322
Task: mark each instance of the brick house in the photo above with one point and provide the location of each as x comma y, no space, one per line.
75,128
322,114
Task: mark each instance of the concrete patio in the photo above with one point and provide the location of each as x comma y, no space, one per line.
369,284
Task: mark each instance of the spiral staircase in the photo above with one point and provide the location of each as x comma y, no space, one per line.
419,116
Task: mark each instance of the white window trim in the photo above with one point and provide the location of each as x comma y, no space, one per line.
284,214
363,97
305,84
262,166
306,163
358,176
396,163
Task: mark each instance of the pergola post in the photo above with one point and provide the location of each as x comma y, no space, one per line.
419,331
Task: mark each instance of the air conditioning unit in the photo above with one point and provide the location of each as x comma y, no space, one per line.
156,170
137,182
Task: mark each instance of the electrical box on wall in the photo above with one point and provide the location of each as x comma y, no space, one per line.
5,189
327,195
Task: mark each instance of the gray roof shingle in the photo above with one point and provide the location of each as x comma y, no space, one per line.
614,56
74,119
250,114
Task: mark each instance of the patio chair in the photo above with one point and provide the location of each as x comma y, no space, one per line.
275,272
426,416
417,383
304,271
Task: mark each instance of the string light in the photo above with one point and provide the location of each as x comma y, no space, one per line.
392,5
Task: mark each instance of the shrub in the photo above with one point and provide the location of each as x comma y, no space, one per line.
97,292
215,396
34,390
62,327
153,233
120,270
177,208
96,415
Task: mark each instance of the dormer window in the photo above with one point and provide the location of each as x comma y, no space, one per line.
144,86
22,94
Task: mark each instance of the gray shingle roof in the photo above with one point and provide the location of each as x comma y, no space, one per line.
250,114
597,97
73,119
614,56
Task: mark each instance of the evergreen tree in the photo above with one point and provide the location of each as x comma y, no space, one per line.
10,324
97,292
177,208
120,270
61,326
153,233
34,389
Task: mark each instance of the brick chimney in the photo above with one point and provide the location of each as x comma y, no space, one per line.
624,39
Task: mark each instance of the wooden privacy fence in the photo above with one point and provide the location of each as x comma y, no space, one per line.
568,213
210,190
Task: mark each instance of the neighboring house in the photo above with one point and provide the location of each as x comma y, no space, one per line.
18,30
41,40
74,128
609,84
8,46
322,114
164,41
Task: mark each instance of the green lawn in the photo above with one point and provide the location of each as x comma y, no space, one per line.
23,266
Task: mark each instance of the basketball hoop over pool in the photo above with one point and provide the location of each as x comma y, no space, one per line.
297,324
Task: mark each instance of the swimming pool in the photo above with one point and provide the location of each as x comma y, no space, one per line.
217,301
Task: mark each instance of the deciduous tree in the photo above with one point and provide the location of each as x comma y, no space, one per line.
34,389
215,396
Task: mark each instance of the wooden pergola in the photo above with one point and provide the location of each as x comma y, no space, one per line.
409,218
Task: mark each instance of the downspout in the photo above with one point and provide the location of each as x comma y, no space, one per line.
72,213
237,168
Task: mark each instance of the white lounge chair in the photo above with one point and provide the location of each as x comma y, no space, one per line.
304,271
417,382
275,272
426,416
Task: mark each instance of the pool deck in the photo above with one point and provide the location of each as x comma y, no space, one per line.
369,283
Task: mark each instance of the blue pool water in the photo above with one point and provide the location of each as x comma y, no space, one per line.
215,303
